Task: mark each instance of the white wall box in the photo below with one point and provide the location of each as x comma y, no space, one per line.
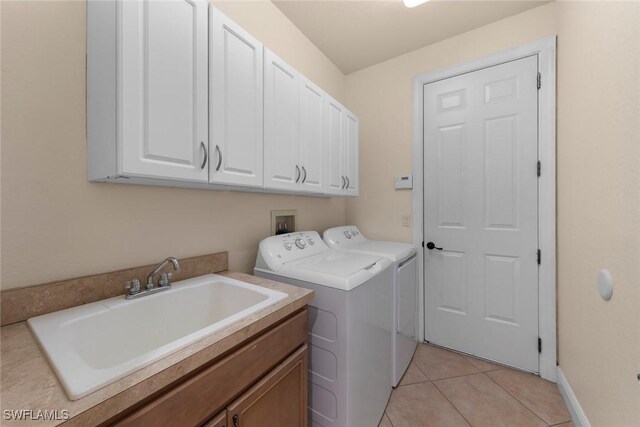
294,143
342,148
235,103
147,90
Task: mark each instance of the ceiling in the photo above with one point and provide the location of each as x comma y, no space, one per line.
355,34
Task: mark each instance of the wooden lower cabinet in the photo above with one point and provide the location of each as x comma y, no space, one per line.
279,399
219,420
261,383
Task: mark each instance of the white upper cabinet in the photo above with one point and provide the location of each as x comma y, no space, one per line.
313,152
281,106
235,104
351,161
178,94
335,147
342,158
147,92
294,143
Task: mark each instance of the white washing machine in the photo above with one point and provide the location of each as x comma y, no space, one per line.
405,288
349,325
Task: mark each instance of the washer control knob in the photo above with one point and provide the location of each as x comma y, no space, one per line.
300,243
347,234
288,246
311,241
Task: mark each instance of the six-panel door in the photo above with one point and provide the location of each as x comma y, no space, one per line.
162,89
481,210
235,104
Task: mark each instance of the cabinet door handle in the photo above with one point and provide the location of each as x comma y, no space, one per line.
343,181
348,182
297,174
236,422
305,175
204,160
219,158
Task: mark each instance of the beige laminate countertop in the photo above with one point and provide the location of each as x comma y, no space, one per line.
27,381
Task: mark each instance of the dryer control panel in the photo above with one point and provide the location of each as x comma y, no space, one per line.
343,236
276,251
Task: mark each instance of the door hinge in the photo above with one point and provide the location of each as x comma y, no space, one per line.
539,345
539,80
539,168
539,256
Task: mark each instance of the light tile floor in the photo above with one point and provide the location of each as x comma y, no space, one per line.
444,388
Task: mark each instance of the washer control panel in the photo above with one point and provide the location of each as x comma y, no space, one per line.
289,247
343,236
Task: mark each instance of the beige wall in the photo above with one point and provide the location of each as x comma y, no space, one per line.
599,206
598,178
55,224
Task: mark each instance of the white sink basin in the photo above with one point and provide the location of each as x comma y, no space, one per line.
96,344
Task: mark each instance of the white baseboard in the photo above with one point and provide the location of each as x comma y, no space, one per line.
577,414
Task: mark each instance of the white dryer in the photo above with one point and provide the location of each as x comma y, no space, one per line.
405,288
349,325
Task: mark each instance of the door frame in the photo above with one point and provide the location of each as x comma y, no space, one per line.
545,49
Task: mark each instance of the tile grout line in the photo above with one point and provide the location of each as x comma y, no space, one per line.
451,403
518,400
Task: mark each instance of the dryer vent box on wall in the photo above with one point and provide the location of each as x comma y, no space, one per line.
283,222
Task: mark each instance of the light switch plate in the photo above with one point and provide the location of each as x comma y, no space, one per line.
404,182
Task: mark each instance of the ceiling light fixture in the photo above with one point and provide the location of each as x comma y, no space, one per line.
413,3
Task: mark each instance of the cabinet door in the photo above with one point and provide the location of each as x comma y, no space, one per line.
162,89
351,137
279,399
335,147
312,139
281,106
219,420
235,103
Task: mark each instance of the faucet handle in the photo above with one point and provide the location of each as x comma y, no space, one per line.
132,286
165,279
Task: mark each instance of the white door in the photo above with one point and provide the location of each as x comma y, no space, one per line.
336,181
351,155
312,137
281,107
235,103
481,189
162,89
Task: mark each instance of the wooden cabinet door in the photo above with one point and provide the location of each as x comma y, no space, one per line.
312,139
162,89
219,420
335,147
235,104
281,106
279,399
351,154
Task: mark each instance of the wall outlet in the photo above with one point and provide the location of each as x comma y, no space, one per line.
405,220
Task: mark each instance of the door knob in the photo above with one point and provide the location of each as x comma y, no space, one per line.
432,245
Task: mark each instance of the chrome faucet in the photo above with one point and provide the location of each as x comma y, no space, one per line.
133,286
164,278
